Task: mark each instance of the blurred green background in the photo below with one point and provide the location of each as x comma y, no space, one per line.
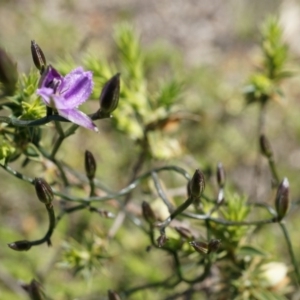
211,48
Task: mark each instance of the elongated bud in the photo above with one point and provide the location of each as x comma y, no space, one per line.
110,94
197,185
38,56
148,213
113,295
282,199
265,146
34,290
20,245
220,198
90,165
200,247
214,245
8,73
162,239
206,248
184,232
220,175
43,191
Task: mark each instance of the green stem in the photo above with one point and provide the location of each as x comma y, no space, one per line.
272,166
92,187
28,123
161,192
51,227
166,284
291,252
62,137
109,196
175,213
228,222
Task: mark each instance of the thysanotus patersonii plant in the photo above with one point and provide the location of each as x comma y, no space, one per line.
197,244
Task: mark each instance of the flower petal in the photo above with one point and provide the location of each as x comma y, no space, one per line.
46,94
76,87
48,76
78,118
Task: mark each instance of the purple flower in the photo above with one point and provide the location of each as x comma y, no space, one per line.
65,94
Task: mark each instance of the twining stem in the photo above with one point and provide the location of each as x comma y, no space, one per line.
260,130
51,227
121,216
133,185
165,283
29,123
62,137
228,222
175,213
161,192
26,245
57,163
291,252
273,169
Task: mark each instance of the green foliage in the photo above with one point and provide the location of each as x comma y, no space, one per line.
237,210
84,258
263,85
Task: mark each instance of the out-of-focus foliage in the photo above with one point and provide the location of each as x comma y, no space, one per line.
264,85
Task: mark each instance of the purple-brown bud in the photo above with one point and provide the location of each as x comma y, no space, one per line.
184,232
148,213
38,57
162,239
265,146
20,245
200,247
220,175
8,73
206,248
282,199
214,245
113,295
34,290
90,165
196,185
43,191
110,94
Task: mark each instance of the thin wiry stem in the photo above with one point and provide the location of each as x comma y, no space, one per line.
291,251
52,223
161,192
47,119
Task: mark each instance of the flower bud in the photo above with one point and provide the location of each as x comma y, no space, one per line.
162,239
20,245
34,290
184,232
265,146
110,94
213,245
220,175
221,197
8,73
197,185
282,199
38,57
90,165
148,213
43,191
200,247
206,248
113,295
